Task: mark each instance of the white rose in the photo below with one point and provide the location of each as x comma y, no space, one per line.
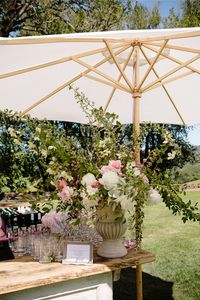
110,180
88,179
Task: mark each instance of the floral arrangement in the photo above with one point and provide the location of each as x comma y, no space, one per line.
100,171
111,187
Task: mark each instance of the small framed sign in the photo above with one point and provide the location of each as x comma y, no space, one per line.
79,253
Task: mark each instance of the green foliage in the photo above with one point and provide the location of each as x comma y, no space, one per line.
140,17
16,165
152,139
59,16
189,15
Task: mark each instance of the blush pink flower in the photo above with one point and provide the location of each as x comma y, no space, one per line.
115,164
96,185
66,193
61,184
105,169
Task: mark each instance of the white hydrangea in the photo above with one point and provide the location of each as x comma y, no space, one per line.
110,180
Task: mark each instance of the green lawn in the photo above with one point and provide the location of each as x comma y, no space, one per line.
177,249
194,182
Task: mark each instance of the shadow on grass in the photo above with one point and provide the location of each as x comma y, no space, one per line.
154,288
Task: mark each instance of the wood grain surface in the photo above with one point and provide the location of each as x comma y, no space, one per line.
23,273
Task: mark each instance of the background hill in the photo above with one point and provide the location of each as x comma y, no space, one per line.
190,171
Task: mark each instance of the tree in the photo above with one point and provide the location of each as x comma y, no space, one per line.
36,17
140,17
189,17
13,14
191,13
173,20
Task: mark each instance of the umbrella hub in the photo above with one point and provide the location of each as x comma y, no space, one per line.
136,93
136,43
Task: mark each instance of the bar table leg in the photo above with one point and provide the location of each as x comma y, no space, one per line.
139,281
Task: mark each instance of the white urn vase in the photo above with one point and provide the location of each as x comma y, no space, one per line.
112,232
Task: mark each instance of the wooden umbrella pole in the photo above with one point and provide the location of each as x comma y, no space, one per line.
136,126
136,135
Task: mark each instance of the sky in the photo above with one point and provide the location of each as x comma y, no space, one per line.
165,6
194,136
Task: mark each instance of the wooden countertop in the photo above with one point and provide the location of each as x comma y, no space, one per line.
23,273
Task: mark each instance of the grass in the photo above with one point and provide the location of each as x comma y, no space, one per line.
177,249
194,182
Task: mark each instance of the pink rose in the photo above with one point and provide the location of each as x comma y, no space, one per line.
105,169
115,164
96,185
61,184
66,193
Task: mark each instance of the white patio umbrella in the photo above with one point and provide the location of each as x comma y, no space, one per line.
143,75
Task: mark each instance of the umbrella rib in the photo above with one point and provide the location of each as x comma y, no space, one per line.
171,72
118,65
100,73
152,64
169,80
172,59
68,83
163,86
106,82
186,49
118,79
57,61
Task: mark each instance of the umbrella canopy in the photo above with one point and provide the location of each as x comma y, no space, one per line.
158,68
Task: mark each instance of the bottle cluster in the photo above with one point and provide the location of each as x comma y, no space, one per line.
27,236
22,225
21,220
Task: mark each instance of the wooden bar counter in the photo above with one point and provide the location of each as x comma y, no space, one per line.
23,278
